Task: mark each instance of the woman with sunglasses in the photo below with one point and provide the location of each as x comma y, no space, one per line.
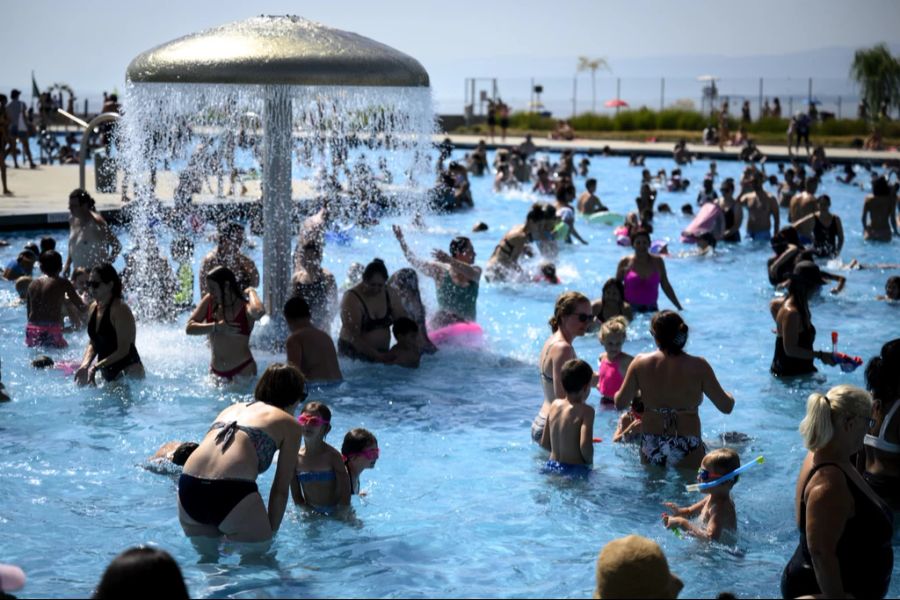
360,451
364,336
315,285
642,274
845,529
672,384
322,483
217,491
111,330
572,316
227,316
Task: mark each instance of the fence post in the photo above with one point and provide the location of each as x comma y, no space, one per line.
618,90
662,93
574,93
839,108
790,106
759,106
531,95
809,92
85,108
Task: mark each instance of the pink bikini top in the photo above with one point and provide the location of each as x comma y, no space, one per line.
610,378
640,290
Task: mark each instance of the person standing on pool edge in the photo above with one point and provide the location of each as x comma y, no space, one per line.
643,274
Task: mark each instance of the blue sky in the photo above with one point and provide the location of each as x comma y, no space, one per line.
89,44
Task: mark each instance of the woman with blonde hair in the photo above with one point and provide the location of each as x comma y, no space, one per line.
845,529
571,317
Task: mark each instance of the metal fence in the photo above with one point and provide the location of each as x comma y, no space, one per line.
564,97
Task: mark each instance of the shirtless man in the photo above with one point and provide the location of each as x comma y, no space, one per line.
804,204
760,206
48,297
788,189
878,212
309,349
588,202
91,241
228,254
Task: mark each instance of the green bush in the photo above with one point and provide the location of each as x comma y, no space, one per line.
768,125
692,121
843,127
625,121
592,122
534,121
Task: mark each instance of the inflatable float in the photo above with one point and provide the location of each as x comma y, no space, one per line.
466,334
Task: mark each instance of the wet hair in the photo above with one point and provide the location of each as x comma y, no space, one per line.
223,276
614,326
404,326
357,440
576,375
892,281
564,192
296,308
880,186
687,209
280,385
404,280
480,226
822,410
549,212
669,331
613,282
27,254
590,182
709,238
47,243
231,231
459,244
728,183
565,305
824,198
664,209
142,571
883,373
783,238
723,461
42,362
82,198
376,267
536,213
183,452
107,274
319,409
51,262
638,232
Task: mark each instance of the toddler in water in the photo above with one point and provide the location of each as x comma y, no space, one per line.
321,480
717,514
405,352
629,429
360,451
613,363
569,433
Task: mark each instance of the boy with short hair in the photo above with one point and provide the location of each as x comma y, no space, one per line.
716,511
405,352
569,433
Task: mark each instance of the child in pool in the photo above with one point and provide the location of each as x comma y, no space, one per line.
629,429
613,363
717,513
360,452
321,480
569,433
405,352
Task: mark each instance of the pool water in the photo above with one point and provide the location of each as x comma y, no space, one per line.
457,505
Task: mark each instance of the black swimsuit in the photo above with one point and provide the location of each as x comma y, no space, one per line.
825,238
864,551
367,325
782,364
729,223
105,342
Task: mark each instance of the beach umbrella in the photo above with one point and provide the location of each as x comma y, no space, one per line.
615,103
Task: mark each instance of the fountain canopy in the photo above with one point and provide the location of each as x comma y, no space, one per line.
285,50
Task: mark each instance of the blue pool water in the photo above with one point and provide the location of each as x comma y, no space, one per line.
456,506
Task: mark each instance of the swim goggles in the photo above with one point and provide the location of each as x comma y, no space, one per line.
312,420
368,453
704,475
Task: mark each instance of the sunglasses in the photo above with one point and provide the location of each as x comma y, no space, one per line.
584,318
368,453
94,284
311,420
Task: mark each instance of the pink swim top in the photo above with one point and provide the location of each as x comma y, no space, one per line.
610,378
640,290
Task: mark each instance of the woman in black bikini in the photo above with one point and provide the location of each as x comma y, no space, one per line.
796,335
217,491
845,529
828,231
111,331
364,337
734,212
315,285
226,315
504,261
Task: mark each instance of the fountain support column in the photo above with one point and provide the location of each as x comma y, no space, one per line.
277,205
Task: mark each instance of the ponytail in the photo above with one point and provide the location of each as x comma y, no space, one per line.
816,427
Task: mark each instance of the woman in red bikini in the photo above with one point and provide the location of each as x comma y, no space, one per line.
226,315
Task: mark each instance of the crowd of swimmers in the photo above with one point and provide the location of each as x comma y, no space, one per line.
849,480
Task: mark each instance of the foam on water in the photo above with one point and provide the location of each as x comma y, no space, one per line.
456,506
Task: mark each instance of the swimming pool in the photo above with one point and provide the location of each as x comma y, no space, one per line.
456,506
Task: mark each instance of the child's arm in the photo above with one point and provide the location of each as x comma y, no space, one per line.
296,493
342,479
587,435
687,511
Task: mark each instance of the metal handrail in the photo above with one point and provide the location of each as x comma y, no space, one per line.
88,128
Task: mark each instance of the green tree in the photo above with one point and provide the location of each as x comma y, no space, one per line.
878,74
592,64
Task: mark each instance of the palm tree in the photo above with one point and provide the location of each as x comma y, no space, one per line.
878,74
592,64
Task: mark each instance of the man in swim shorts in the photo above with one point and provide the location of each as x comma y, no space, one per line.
760,208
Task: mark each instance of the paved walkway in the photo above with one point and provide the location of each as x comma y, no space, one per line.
41,195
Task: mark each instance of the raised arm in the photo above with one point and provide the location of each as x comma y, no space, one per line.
469,272
431,269
255,307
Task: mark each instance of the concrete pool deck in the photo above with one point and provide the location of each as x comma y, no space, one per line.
41,195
